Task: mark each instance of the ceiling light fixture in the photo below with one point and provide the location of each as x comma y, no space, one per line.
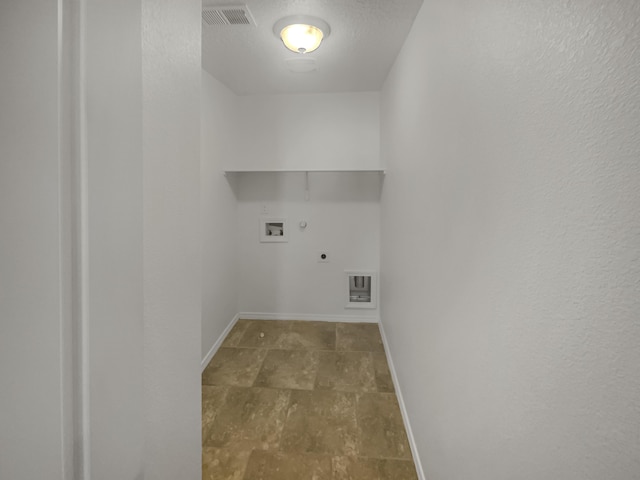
301,33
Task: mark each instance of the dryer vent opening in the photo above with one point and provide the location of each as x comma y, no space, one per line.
361,290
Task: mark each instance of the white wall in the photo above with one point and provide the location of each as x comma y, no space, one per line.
101,283
343,218
511,239
140,278
336,131
171,79
320,131
112,329
33,260
219,211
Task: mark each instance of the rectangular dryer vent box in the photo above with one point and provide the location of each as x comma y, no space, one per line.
361,289
273,230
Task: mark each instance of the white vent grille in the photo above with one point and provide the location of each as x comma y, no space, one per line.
230,15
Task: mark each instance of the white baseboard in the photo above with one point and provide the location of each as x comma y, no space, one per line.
403,409
309,317
216,345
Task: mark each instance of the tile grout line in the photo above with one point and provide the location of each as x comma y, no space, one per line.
284,422
356,395
304,349
358,431
373,368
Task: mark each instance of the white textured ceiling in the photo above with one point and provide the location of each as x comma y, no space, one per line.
366,36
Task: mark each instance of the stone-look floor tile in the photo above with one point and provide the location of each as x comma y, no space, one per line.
309,336
384,382
272,331
234,366
236,333
212,400
358,337
397,470
287,466
302,434
320,422
346,372
224,464
250,418
355,468
380,425
293,369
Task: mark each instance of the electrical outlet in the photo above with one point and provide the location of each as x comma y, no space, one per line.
264,209
323,257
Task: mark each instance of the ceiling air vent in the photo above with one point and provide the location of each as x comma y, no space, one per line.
230,15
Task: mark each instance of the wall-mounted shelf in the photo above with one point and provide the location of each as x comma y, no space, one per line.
305,170
327,181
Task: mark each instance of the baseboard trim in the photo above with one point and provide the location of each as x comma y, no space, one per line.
214,348
403,409
309,317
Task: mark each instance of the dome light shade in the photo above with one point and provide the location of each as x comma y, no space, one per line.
301,34
301,38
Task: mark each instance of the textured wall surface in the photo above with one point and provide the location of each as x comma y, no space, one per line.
219,208
314,131
511,240
343,219
32,312
171,79
111,220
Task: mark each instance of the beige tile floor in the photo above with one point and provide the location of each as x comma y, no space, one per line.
305,400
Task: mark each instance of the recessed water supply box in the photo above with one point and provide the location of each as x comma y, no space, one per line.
362,289
273,230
